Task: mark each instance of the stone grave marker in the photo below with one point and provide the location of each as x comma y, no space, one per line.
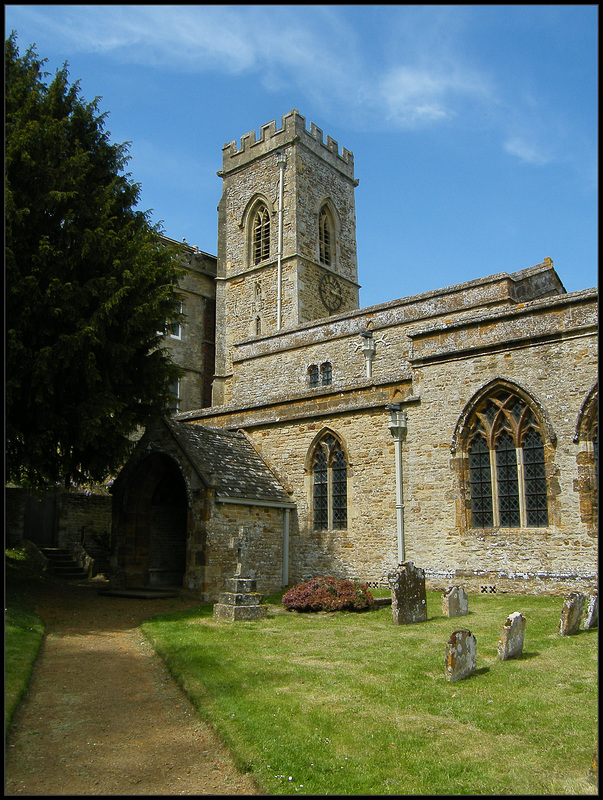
241,601
409,601
591,613
461,651
571,614
455,602
510,641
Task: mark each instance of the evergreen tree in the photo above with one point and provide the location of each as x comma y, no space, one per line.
88,286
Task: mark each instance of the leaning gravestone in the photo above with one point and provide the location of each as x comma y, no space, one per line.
455,602
591,614
510,641
409,601
241,601
571,613
461,652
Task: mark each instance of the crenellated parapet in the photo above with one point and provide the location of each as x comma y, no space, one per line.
293,130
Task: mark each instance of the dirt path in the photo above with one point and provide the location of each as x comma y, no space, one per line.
103,716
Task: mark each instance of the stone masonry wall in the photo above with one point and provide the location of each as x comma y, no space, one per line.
448,365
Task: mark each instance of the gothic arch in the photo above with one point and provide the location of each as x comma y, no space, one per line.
327,469
256,200
323,433
586,437
153,520
501,384
505,462
588,414
327,207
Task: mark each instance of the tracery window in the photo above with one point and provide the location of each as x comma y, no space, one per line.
587,458
507,473
329,479
260,235
325,236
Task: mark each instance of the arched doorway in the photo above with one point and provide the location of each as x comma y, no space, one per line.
156,511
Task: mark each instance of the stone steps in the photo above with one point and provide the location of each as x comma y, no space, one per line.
62,564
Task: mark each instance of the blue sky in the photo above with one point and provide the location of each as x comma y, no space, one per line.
474,128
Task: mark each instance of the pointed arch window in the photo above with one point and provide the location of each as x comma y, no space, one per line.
260,235
329,481
325,237
507,466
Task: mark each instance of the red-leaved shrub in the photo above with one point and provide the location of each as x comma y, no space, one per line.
328,594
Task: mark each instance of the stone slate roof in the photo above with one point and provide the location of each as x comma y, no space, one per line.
228,463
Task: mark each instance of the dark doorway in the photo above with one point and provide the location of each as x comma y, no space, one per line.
156,516
40,519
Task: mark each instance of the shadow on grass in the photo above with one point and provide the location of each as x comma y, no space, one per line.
527,655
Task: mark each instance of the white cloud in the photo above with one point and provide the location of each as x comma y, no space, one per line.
528,151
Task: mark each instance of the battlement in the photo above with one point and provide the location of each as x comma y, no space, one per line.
292,130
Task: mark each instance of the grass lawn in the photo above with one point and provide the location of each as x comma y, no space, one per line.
23,632
349,703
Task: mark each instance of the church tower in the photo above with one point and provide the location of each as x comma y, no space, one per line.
286,237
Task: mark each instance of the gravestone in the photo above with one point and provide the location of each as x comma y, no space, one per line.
461,651
409,601
455,602
510,641
593,772
571,613
591,614
240,602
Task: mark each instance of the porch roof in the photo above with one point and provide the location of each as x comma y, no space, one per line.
228,463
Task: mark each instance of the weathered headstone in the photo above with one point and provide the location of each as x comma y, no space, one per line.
591,613
409,601
593,772
510,641
571,614
461,652
240,602
455,602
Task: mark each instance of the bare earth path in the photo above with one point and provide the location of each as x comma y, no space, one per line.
103,716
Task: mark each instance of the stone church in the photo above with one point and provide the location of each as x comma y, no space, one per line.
457,428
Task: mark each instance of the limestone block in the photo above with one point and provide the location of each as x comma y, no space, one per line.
230,613
571,614
461,652
510,641
409,601
455,602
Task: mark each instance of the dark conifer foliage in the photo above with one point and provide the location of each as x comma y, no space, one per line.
88,286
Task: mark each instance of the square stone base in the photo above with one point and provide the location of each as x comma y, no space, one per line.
228,613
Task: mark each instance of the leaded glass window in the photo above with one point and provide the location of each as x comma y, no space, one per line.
507,464
330,493
340,491
321,507
535,480
326,372
481,483
506,474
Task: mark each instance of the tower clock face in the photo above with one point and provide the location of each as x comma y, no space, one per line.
330,292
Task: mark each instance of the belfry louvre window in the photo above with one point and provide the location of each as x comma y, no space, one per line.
325,238
260,240
326,373
507,473
330,494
